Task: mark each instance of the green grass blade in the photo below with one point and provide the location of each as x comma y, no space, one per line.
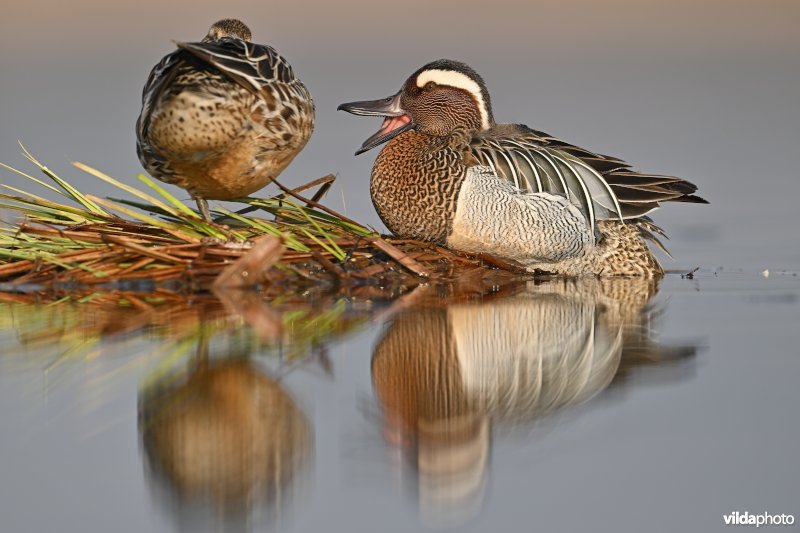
34,179
334,251
74,193
338,251
43,202
40,212
167,196
273,205
148,208
127,188
198,224
263,227
148,219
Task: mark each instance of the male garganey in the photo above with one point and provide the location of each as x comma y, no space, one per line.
223,117
451,175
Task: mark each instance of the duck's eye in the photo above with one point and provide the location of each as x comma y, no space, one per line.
430,86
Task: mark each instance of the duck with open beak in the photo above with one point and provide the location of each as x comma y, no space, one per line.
395,120
451,175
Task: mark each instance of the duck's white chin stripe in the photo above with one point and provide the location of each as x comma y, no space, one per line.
459,81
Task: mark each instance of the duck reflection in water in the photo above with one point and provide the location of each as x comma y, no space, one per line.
224,443
445,376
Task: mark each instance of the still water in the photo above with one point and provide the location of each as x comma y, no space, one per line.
616,405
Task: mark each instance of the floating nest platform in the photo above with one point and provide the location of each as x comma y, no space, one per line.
284,245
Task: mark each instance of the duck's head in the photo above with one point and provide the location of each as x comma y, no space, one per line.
436,99
230,28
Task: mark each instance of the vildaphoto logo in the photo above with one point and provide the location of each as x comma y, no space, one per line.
764,519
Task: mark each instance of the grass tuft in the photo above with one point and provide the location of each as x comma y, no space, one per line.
150,236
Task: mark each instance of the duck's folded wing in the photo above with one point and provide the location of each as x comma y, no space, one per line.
533,167
638,193
603,187
159,79
251,65
160,76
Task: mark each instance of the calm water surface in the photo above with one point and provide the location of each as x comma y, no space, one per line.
613,406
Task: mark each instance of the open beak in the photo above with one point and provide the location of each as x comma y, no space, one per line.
395,121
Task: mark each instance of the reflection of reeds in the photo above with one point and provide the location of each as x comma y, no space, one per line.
156,237
66,327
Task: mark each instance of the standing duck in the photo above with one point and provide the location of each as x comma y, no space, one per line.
223,117
453,176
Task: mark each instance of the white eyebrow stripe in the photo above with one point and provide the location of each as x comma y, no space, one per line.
459,81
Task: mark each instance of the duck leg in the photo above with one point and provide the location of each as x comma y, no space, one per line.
202,205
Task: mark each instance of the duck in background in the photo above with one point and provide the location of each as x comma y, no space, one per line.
223,117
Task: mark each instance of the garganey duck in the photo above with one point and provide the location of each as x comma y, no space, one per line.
451,175
223,117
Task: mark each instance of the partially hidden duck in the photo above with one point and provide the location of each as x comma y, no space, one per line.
222,117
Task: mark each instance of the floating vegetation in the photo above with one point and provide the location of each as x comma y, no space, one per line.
154,240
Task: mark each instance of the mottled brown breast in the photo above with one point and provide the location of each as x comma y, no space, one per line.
218,122
415,183
197,118
225,148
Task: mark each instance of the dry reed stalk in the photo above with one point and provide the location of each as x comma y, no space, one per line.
85,244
